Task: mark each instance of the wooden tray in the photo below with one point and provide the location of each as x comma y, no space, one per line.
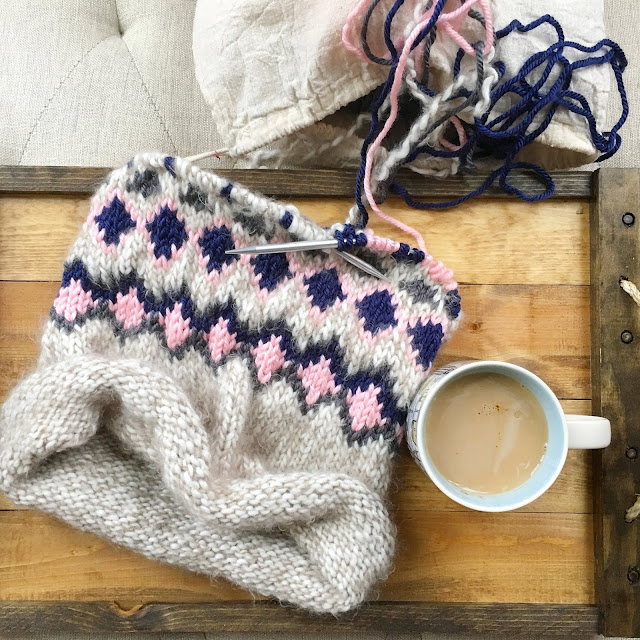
524,273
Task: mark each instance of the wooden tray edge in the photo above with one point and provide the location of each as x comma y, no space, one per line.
539,620
298,182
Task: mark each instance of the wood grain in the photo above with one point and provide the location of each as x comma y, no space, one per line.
283,182
542,328
8,505
484,242
571,493
413,491
525,324
614,250
490,620
442,557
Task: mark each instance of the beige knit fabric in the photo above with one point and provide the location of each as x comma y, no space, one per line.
233,415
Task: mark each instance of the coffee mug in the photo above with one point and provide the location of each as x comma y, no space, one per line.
564,432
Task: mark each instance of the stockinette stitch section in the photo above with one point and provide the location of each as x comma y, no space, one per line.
236,416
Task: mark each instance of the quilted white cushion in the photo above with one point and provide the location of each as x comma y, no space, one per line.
91,82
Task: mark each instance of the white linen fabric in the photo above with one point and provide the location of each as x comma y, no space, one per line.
270,70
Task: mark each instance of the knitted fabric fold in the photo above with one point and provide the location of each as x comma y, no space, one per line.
236,416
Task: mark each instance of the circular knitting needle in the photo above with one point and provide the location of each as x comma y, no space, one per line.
309,245
284,247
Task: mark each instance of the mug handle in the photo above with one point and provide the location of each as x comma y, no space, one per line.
588,432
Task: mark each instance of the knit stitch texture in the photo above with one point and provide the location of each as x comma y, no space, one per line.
236,416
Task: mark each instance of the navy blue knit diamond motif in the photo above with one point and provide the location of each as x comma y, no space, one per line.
324,288
273,269
378,311
166,232
426,340
114,220
215,242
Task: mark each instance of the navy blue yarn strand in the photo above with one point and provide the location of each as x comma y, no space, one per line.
365,146
508,133
387,30
386,88
458,63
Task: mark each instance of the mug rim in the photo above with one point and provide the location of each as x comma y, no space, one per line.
429,467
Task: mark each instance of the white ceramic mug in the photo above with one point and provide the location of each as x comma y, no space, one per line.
565,432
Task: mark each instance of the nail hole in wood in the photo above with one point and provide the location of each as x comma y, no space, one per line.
626,336
633,575
631,453
628,219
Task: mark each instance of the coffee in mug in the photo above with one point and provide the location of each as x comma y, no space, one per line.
492,436
486,432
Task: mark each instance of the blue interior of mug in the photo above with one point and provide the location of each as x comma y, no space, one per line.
550,465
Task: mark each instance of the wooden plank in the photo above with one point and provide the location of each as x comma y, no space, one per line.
35,234
571,493
283,182
615,247
477,557
8,505
540,327
497,324
486,242
413,491
447,556
441,557
532,620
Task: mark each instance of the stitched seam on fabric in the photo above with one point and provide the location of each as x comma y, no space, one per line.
146,89
83,57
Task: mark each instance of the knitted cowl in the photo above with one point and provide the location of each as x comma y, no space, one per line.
236,416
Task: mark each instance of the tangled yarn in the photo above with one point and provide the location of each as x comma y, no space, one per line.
460,109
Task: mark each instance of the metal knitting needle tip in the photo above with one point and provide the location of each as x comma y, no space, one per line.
362,265
285,247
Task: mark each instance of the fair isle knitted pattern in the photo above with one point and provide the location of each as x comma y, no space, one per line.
236,416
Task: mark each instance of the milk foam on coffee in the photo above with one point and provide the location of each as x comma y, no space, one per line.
486,433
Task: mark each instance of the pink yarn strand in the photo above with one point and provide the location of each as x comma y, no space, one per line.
347,29
462,136
393,114
445,20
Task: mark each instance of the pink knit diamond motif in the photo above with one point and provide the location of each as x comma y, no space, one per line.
364,409
318,380
220,341
72,301
269,358
128,309
176,328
